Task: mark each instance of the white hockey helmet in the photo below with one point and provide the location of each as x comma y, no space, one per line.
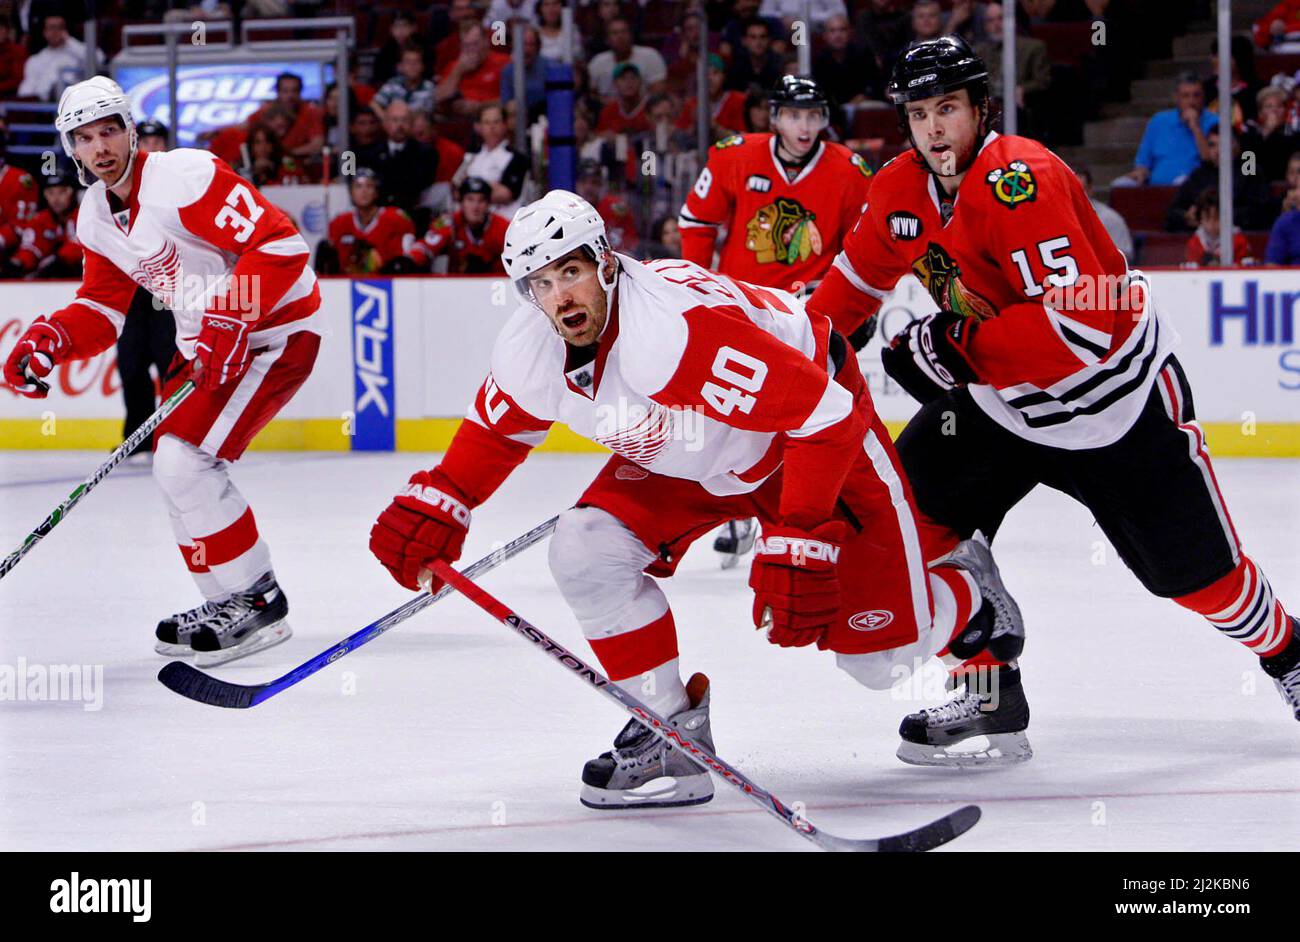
549,229
95,98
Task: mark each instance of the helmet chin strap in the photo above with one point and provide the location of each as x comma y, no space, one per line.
130,164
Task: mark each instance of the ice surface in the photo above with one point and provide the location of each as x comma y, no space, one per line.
1151,731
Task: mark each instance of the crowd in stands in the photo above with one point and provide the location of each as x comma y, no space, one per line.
432,110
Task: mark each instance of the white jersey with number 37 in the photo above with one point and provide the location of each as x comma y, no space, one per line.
200,239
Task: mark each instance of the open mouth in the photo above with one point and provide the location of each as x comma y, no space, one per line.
575,321
105,164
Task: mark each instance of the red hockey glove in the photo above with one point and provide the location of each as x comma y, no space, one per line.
796,589
44,344
428,520
222,348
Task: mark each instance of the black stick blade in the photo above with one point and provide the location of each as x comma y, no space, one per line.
191,682
934,834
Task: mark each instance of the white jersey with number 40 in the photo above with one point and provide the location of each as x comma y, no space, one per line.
697,376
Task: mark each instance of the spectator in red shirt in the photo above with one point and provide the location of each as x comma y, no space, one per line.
13,56
475,77
264,161
1205,246
472,238
306,133
625,110
424,128
727,107
445,53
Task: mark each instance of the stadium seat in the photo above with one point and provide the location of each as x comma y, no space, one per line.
876,122
1143,207
1161,248
1269,64
1067,43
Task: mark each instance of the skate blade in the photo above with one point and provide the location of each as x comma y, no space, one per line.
260,640
1000,749
173,650
664,792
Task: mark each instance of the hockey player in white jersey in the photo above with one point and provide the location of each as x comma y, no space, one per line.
720,400
235,272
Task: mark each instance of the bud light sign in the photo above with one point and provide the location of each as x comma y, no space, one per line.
214,96
372,359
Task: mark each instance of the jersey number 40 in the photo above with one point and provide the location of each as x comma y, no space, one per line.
744,375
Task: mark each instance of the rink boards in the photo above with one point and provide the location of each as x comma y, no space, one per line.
404,356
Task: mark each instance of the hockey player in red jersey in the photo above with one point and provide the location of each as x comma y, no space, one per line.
471,238
370,238
786,199
234,271
719,399
49,240
1049,362
18,201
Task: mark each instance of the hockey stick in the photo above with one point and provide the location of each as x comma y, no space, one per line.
85,487
926,837
191,682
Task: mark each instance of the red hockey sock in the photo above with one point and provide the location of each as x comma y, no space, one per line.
637,651
1243,607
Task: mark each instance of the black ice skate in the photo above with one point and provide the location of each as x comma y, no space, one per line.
984,725
175,631
644,772
1285,670
734,540
243,624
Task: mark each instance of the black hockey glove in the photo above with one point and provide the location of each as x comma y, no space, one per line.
866,330
924,358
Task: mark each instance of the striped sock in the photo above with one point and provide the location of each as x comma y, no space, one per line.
1243,607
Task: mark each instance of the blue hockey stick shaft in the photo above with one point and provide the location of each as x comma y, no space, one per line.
189,681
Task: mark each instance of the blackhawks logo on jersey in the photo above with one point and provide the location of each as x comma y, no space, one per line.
861,164
1013,184
732,141
783,231
941,276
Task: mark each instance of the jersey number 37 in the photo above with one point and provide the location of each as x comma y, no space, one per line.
229,215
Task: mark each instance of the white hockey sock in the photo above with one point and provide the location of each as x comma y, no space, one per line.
661,689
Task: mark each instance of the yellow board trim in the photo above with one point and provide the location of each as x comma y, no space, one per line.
1226,439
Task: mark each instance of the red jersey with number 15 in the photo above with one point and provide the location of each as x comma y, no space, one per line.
1064,339
780,232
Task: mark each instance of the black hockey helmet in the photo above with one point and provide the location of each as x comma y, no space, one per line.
934,67
474,185
151,128
365,173
59,177
796,91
